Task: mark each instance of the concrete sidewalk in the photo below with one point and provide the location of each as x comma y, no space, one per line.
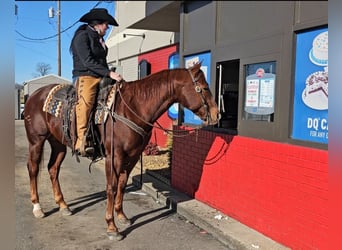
230,232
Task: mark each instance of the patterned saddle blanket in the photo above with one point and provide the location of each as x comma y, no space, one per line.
61,103
63,96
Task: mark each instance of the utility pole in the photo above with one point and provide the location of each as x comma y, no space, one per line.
52,15
59,36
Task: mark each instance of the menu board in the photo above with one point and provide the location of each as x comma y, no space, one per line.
260,89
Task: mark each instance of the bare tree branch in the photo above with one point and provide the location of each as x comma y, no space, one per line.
43,68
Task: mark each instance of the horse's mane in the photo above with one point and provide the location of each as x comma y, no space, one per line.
153,85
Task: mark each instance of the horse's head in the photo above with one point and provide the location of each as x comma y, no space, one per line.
197,96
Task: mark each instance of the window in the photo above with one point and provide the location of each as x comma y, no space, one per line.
144,68
259,91
173,63
189,117
227,93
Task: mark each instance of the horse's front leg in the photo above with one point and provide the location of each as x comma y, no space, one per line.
58,152
122,218
111,189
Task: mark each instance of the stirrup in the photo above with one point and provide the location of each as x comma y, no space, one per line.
89,150
85,150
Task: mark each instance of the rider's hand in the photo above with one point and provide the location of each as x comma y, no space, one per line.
115,76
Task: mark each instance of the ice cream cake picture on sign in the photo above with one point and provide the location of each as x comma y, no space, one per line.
315,94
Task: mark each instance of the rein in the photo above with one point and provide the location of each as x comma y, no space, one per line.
141,131
129,123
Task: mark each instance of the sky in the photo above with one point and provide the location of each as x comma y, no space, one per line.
33,26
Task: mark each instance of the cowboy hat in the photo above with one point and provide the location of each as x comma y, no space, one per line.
100,14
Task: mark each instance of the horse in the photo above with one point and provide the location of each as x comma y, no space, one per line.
139,105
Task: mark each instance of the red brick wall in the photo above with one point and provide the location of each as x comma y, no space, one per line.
280,190
159,60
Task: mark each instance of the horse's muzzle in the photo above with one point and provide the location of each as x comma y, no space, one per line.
212,120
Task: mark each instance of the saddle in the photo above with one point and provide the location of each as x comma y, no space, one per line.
61,103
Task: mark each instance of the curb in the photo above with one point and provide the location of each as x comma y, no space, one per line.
228,231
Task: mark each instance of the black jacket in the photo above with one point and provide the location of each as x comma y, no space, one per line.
89,57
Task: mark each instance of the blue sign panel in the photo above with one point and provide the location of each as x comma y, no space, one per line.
310,107
173,63
189,117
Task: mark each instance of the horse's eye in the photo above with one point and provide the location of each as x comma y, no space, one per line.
206,89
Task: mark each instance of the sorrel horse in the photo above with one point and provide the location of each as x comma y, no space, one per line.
141,103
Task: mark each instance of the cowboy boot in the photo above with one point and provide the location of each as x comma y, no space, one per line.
86,95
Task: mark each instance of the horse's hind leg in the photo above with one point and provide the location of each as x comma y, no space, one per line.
34,158
58,152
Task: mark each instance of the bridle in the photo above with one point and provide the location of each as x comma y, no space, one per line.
140,131
199,90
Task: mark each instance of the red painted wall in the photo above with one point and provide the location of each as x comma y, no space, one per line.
159,60
280,190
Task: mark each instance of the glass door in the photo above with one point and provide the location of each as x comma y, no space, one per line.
227,94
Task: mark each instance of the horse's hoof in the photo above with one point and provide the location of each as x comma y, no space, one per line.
38,213
115,236
65,211
124,221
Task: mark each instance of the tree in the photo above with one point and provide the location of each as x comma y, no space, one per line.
42,69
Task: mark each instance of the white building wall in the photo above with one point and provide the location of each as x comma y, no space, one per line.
32,86
16,103
119,47
129,68
129,12
26,87
36,83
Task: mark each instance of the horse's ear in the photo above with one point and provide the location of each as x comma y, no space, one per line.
197,66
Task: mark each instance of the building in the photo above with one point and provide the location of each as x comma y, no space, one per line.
32,85
266,163
18,101
137,52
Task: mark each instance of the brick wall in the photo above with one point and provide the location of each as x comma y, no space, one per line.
280,190
159,60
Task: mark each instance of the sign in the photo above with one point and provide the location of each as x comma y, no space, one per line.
260,89
173,63
310,107
189,117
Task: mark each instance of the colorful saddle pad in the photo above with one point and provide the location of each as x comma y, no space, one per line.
60,94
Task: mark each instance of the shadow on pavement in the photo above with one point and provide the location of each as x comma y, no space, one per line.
163,215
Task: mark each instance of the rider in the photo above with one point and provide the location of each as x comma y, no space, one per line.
89,53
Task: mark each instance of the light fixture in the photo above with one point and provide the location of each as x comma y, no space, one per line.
141,35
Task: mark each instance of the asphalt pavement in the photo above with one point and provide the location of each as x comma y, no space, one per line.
227,230
154,226
169,208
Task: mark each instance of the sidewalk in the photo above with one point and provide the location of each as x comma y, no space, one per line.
230,232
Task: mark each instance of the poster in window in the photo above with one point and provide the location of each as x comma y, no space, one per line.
260,89
189,117
252,93
310,107
173,63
